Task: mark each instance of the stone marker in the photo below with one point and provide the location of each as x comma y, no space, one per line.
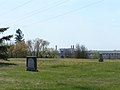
101,58
31,63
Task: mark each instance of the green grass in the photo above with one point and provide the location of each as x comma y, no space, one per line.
61,74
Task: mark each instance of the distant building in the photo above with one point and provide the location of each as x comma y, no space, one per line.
115,54
109,54
66,52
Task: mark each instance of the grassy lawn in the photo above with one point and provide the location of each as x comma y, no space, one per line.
61,74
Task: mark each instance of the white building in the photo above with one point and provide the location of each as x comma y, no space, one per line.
115,54
66,52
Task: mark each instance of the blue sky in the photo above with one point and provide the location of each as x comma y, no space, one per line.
93,23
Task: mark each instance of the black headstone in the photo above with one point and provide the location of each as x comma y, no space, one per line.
101,58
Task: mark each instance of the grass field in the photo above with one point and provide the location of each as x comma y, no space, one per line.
61,74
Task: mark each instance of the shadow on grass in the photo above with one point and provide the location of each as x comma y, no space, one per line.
5,64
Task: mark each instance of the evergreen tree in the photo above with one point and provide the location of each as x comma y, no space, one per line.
3,47
19,36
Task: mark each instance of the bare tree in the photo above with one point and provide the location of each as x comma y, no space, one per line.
44,47
37,47
29,47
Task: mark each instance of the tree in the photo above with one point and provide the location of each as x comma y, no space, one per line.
37,47
44,47
20,49
84,52
34,46
77,51
3,47
10,50
81,51
52,53
95,55
29,47
19,36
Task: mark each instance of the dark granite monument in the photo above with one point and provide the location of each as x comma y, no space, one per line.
31,63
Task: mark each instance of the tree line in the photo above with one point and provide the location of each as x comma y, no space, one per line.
36,47
21,48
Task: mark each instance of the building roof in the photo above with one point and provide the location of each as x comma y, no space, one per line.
102,51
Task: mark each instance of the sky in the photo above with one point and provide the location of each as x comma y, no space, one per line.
93,23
